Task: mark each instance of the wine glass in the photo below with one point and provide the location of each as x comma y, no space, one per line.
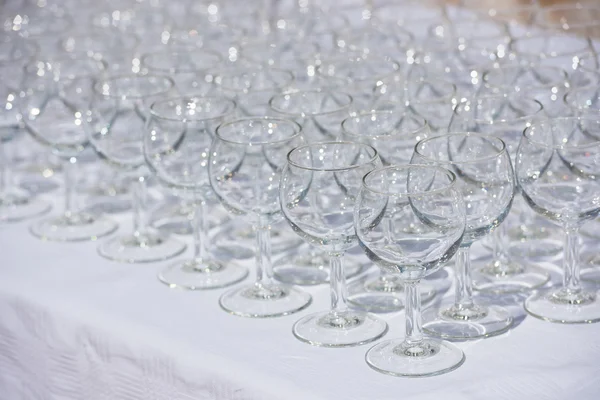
393,134
179,133
429,197
57,97
116,127
320,113
557,164
245,164
318,190
504,117
486,179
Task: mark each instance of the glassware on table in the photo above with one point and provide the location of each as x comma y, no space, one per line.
393,134
15,204
429,197
320,113
557,166
486,179
518,17
57,96
578,19
119,112
179,134
504,117
245,164
318,191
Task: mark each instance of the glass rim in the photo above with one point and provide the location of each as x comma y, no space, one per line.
114,78
289,81
486,74
347,57
172,51
232,105
70,56
580,89
301,115
384,112
446,171
373,158
445,97
533,126
297,127
510,98
499,152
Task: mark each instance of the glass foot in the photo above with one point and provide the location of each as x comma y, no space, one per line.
381,295
73,228
264,300
511,277
339,329
311,269
536,248
427,358
448,321
194,275
145,248
17,206
564,306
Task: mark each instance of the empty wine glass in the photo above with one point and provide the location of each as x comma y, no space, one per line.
245,165
116,127
318,190
179,133
486,179
504,117
429,197
557,164
394,135
57,99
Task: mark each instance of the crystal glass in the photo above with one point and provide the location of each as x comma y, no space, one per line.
394,135
320,113
318,190
177,142
557,165
486,179
429,197
57,99
518,17
245,164
504,117
118,115
252,86
415,18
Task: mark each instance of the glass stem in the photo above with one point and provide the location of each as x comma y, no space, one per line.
463,297
139,206
200,227
414,329
571,280
337,282
69,175
500,249
264,267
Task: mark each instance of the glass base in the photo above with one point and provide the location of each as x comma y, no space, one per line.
311,269
382,295
76,227
564,306
340,329
145,248
194,275
536,248
511,277
264,300
16,206
448,321
427,358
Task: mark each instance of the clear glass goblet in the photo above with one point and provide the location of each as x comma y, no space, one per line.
486,179
117,120
179,134
56,104
318,190
389,197
245,164
557,166
394,135
505,117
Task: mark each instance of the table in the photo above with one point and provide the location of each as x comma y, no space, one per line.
76,326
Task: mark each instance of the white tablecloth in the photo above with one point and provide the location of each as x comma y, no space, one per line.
76,326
